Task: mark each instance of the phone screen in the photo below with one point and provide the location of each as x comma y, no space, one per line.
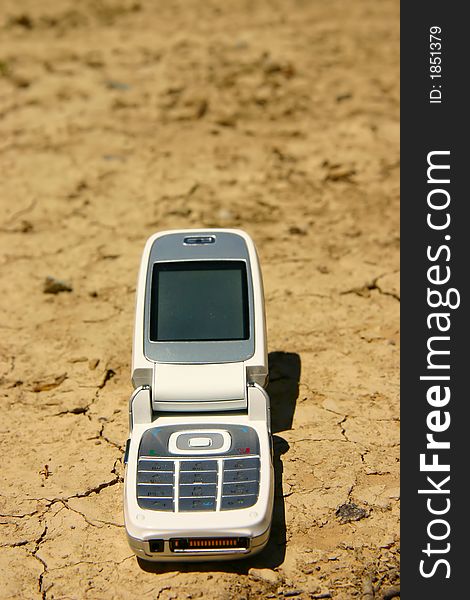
199,301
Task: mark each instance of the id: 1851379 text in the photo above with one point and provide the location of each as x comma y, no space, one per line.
435,66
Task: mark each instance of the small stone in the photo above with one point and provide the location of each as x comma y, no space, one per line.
22,20
262,96
117,85
340,173
44,385
226,119
78,359
392,592
25,226
294,230
225,215
284,68
55,286
194,108
345,96
268,575
350,512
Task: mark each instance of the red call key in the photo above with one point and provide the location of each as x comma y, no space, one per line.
243,450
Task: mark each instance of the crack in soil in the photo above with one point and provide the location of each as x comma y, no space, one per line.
108,441
92,562
85,518
95,490
16,544
34,552
110,373
373,285
343,430
83,410
79,410
31,514
51,502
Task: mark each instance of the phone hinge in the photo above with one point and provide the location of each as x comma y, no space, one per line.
199,388
259,408
140,406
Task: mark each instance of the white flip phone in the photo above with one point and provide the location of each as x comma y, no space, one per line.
199,474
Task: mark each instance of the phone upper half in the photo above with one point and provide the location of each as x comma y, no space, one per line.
199,299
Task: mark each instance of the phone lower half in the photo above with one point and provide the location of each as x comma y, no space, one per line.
199,490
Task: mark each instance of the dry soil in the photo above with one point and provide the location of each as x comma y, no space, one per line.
119,118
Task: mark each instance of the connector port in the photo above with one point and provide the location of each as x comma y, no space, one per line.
223,544
156,545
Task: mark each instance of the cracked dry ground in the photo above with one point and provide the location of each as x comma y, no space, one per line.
118,119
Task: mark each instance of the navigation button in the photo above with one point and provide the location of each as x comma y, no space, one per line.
199,442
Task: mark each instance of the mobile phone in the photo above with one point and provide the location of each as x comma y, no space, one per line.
199,472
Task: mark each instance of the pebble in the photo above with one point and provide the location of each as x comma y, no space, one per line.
117,85
294,230
55,286
226,119
350,512
44,385
392,592
267,575
225,215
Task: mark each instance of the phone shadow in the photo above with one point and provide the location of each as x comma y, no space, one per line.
283,390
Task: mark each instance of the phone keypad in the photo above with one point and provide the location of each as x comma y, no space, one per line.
185,484
197,484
